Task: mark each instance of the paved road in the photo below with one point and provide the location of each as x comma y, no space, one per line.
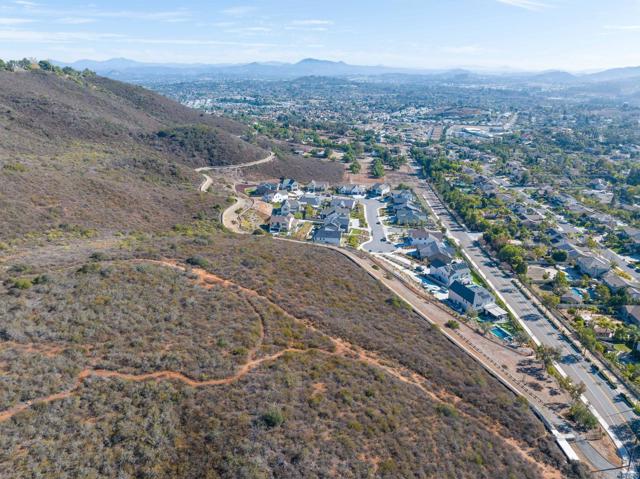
600,395
269,158
378,234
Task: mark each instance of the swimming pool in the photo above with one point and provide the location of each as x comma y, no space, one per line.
501,333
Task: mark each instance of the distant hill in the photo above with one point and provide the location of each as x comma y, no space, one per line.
615,74
123,68
553,76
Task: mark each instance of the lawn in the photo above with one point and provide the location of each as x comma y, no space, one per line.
622,348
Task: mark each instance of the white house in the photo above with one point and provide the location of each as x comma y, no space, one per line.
280,223
352,190
276,197
343,202
380,189
469,296
290,207
328,234
447,273
422,236
435,250
289,185
315,186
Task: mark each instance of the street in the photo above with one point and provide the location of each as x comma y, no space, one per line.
378,242
605,400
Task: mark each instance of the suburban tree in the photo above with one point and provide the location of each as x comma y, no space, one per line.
547,354
377,168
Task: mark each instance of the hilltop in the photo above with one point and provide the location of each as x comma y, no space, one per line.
83,150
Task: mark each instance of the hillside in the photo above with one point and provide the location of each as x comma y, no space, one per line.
81,151
140,339
267,359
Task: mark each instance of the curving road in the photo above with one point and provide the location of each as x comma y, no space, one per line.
231,216
230,219
271,157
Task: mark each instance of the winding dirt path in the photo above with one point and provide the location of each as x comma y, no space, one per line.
206,184
341,348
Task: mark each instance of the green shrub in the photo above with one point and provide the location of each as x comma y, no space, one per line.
89,268
273,418
198,261
447,410
17,167
398,303
98,256
41,279
22,283
388,466
452,324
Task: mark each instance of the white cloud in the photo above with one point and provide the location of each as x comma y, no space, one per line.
25,3
311,22
239,11
249,30
14,21
91,13
75,21
533,5
464,50
623,28
306,29
30,36
56,37
168,16
195,42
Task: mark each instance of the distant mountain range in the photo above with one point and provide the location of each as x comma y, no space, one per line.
122,68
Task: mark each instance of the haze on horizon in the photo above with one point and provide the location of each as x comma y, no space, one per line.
573,35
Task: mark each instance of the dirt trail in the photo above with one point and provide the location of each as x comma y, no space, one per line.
345,349
174,375
341,348
44,349
206,184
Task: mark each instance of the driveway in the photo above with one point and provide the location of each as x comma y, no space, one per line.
376,228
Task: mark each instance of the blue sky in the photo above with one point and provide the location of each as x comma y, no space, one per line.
521,34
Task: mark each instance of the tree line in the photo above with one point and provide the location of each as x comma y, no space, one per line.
29,64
